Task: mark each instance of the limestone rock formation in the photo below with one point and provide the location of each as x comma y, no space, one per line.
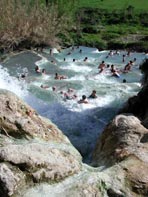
121,146
32,149
19,120
137,105
36,159
120,139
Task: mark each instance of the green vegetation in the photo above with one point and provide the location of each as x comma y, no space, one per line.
112,24
29,23
114,4
98,23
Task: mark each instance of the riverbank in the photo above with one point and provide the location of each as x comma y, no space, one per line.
63,26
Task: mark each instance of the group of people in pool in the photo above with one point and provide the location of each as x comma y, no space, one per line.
43,71
69,94
114,71
38,70
91,96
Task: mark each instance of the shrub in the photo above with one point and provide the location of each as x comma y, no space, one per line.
110,35
93,40
30,22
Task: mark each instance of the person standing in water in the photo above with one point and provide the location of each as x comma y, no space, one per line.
101,66
51,52
123,58
37,69
43,71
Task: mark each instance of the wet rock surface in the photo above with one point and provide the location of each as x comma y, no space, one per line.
32,149
36,159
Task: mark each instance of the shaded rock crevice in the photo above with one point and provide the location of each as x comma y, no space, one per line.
137,105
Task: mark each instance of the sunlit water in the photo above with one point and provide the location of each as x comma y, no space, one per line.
82,123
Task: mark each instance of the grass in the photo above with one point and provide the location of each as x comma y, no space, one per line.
109,23
114,4
31,23
122,29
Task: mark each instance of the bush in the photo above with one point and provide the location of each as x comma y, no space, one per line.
140,46
90,29
110,35
116,45
23,22
93,40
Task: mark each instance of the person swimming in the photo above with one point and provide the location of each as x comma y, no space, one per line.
57,76
112,68
44,86
114,71
37,69
43,71
85,59
54,88
83,100
93,94
115,74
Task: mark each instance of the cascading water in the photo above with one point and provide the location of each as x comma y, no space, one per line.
82,123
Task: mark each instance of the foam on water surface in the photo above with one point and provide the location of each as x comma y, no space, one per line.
80,122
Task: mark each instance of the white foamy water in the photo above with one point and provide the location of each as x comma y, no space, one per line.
12,83
82,123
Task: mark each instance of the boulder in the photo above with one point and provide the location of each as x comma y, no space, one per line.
36,159
121,138
32,148
19,120
122,151
11,178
